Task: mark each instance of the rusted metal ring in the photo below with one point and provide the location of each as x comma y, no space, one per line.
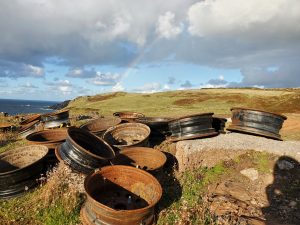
31,119
257,122
148,159
127,135
28,128
55,123
192,126
120,195
158,125
99,126
84,151
49,138
219,124
20,168
128,116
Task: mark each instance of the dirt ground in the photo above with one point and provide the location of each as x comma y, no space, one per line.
269,194
291,127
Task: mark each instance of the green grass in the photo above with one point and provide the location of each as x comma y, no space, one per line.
11,145
190,208
262,162
176,103
58,215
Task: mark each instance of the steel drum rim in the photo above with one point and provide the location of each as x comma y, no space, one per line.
130,168
259,110
123,126
193,136
47,142
144,149
191,116
154,121
31,119
85,219
249,130
29,146
28,126
83,126
87,152
130,114
78,168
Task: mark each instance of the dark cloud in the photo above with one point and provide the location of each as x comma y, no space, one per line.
86,33
171,80
217,82
16,70
105,79
186,84
81,73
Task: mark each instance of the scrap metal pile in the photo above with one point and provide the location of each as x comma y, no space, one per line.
114,153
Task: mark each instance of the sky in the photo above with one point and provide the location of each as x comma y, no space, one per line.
61,49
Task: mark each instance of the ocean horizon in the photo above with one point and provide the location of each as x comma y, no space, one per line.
21,106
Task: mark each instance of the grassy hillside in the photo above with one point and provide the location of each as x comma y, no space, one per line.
177,103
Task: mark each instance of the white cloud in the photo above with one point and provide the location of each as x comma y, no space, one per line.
117,87
64,87
166,26
105,79
149,88
166,87
81,73
28,85
253,17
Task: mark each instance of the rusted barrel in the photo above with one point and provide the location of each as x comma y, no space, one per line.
99,126
148,159
128,116
127,135
192,126
28,128
120,195
219,124
20,168
55,119
30,119
257,122
84,151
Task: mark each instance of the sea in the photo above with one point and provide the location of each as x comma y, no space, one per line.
18,106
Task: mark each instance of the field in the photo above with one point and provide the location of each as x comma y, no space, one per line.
178,103
58,201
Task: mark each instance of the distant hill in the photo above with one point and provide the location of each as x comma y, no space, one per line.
177,103
60,105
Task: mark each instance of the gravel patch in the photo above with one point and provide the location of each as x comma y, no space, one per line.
209,151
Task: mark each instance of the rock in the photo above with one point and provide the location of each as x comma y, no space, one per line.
210,151
285,165
60,105
293,204
235,190
251,173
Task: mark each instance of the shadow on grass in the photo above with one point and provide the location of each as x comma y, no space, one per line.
172,190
